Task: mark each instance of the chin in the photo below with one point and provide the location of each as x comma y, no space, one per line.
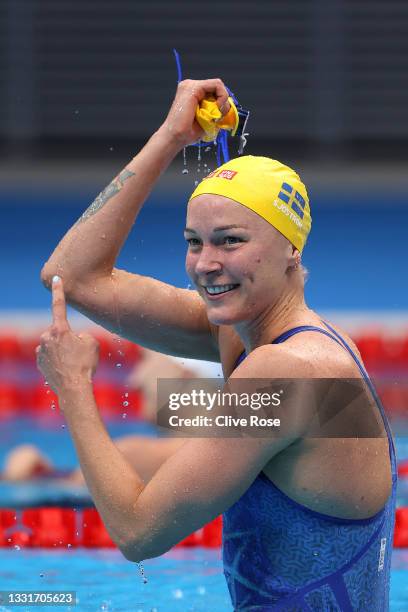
221,316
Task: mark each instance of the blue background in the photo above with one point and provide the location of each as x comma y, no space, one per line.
356,252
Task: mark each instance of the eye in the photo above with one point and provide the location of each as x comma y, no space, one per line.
193,242
232,240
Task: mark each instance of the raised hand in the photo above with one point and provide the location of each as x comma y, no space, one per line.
180,124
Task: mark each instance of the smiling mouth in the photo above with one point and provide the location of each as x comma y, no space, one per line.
218,289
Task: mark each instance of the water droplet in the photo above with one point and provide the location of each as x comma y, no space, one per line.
76,111
69,545
103,236
185,170
118,365
124,415
17,547
53,406
201,590
142,573
178,594
110,148
41,575
62,426
125,403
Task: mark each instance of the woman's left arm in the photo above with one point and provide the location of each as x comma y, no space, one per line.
196,484
200,481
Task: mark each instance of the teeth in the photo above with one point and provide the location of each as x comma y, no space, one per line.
219,289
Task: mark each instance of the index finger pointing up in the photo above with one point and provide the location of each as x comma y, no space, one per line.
59,308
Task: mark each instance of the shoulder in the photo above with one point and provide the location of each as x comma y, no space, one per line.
305,355
277,361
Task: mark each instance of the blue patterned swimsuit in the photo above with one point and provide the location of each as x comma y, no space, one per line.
281,555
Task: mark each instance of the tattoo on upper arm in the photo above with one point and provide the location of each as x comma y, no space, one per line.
112,189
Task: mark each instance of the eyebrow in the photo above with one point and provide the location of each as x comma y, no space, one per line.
219,229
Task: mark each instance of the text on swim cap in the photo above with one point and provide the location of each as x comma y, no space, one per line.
288,212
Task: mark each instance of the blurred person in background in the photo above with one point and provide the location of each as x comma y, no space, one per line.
27,461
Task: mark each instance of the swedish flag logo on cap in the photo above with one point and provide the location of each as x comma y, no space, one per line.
292,198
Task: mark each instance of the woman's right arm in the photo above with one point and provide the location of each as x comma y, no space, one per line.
144,310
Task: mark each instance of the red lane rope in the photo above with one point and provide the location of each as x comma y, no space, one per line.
56,527
67,527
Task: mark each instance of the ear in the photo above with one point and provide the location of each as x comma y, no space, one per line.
295,259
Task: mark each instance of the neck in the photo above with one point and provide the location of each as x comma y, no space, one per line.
289,310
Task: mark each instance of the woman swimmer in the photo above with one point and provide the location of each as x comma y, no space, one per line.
307,521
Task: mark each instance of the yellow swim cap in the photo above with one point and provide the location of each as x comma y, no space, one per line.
272,190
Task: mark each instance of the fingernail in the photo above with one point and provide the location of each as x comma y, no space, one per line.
225,108
55,279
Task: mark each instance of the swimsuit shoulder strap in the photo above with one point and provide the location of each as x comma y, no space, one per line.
288,334
302,328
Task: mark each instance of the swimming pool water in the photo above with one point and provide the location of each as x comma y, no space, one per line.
180,581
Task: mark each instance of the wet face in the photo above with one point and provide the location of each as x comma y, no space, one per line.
237,261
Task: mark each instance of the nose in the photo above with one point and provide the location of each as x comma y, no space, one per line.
208,261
